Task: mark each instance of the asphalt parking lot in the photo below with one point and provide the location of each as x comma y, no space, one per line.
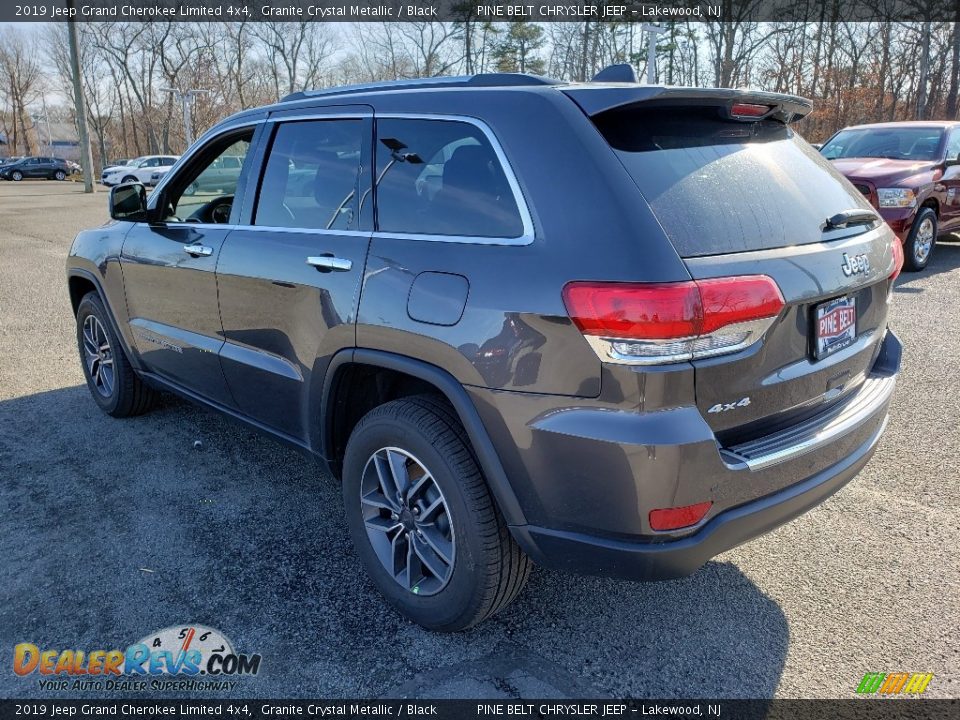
112,529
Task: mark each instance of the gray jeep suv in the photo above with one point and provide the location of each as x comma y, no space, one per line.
602,327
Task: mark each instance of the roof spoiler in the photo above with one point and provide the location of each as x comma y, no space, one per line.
596,98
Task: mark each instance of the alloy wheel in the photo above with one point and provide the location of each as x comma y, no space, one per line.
923,241
98,356
407,521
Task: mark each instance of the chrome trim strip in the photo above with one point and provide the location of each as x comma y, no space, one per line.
314,115
753,329
273,365
302,231
183,225
816,432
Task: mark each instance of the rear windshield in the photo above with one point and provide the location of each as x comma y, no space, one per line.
721,186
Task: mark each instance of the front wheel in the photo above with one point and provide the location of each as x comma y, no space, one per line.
112,382
423,520
130,179
920,242
16,176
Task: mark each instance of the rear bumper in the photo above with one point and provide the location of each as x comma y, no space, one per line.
592,555
755,487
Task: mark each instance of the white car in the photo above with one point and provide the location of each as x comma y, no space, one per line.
138,170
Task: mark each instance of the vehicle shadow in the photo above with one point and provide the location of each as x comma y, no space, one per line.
946,257
114,529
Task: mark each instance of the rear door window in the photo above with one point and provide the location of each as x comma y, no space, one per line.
310,177
721,186
442,177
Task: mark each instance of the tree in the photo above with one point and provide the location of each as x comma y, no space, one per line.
20,80
515,52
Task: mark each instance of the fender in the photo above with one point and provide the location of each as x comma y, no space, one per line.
457,396
132,357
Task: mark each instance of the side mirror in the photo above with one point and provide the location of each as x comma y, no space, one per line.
128,202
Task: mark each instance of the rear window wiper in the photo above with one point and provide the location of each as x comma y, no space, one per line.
855,216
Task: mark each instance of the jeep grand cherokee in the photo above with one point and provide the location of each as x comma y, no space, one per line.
603,327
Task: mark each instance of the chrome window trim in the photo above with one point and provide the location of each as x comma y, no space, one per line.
358,115
526,238
210,136
528,235
302,231
197,226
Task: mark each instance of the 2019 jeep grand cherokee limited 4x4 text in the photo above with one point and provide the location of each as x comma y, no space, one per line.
609,328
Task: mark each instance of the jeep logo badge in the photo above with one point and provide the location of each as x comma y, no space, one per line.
854,265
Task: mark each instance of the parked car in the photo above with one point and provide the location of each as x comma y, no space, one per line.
138,170
47,168
220,176
910,172
620,340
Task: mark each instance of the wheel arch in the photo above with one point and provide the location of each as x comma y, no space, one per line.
80,282
334,427
932,203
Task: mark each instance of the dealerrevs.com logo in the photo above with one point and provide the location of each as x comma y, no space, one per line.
182,657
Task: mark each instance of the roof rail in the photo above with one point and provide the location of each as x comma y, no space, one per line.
481,80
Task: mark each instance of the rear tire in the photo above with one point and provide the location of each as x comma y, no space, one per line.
486,568
112,382
59,175
918,249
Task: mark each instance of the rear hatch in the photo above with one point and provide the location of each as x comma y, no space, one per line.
738,193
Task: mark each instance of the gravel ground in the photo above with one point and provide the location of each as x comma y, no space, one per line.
112,529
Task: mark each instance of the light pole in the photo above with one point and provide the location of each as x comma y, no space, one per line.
79,103
652,32
36,118
186,99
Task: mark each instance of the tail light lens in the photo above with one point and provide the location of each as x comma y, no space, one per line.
897,258
678,517
652,323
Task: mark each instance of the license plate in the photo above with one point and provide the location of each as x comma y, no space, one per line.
835,326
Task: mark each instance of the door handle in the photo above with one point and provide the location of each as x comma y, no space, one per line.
198,250
329,262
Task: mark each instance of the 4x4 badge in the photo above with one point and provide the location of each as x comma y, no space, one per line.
855,264
726,407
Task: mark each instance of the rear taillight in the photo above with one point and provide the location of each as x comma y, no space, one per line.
897,258
646,324
749,110
678,517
